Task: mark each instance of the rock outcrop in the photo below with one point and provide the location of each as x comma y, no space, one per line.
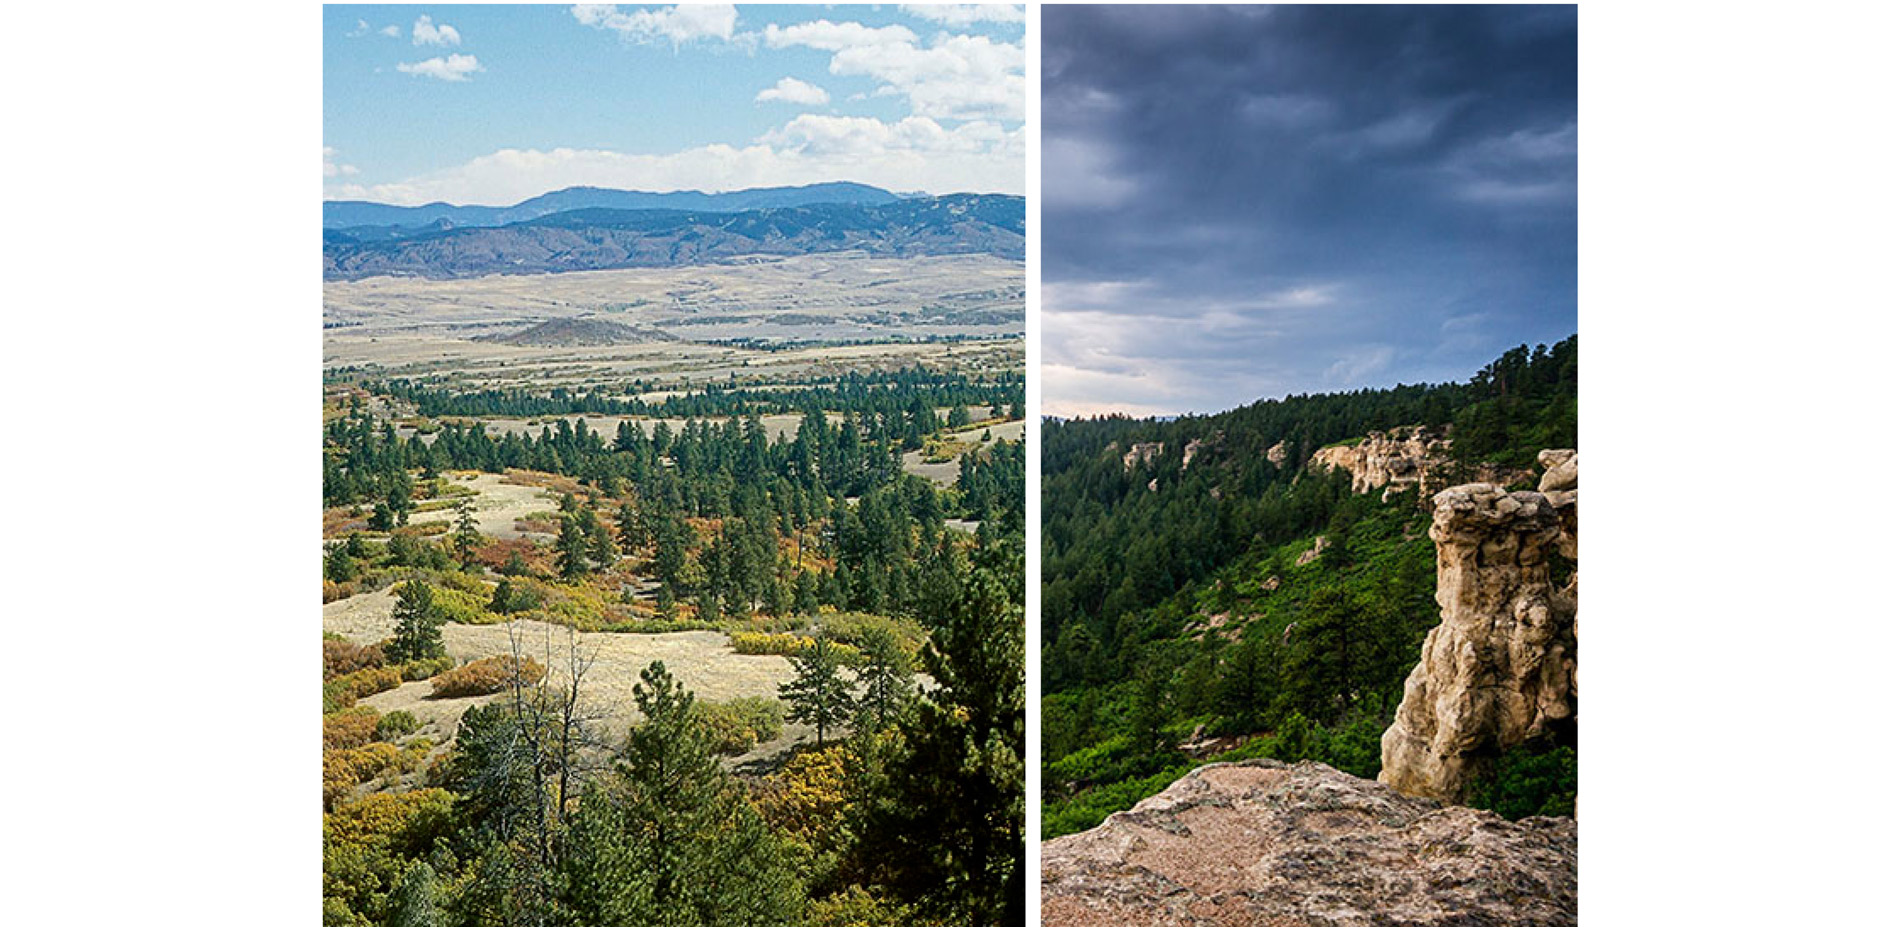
1399,459
1268,843
1394,460
1141,453
1501,667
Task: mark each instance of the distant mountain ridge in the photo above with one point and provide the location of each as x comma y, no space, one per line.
597,238
344,214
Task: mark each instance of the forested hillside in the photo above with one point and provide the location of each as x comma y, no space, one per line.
1206,593
499,793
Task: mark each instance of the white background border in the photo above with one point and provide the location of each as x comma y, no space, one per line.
161,364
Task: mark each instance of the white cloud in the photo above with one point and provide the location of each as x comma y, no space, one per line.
959,15
793,90
826,35
813,134
957,77
363,28
911,154
426,32
334,168
452,68
678,24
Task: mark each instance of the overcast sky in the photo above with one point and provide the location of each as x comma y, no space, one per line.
1248,202
495,104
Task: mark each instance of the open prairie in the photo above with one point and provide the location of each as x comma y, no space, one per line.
701,324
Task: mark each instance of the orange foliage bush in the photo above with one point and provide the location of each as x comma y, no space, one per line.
348,729
495,554
484,677
343,657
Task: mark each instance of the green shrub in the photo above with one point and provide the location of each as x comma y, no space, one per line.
415,670
463,607
741,724
395,725
1528,780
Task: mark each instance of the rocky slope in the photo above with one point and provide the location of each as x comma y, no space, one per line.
1267,843
1404,458
1501,667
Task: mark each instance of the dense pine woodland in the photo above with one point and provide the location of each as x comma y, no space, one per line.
1174,602
815,545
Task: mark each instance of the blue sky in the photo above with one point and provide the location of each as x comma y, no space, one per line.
1248,202
494,104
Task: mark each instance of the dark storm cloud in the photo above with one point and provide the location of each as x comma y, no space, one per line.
1249,201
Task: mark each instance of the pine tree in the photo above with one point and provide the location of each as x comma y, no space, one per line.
573,549
418,625
627,522
885,676
670,840
601,547
818,694
466,537
942,822
414,903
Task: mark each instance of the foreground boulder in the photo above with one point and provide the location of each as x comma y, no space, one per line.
1268,843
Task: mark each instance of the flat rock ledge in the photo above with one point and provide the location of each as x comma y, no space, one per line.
1273,844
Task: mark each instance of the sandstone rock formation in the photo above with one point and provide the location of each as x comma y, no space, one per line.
1140,453
1405,458
1501,667
1391,460
1276,454
1268,843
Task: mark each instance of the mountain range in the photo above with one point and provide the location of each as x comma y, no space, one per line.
345,214
595,237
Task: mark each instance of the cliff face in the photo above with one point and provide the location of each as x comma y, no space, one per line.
1263,842
1391,460
1405,458
1501,666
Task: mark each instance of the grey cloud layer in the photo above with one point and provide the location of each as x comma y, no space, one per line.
1410,172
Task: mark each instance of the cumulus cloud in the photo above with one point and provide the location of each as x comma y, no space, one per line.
390,31
333,167
677,24
451,68
960,15
426,32
793,90
825,35
955,77
911,154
